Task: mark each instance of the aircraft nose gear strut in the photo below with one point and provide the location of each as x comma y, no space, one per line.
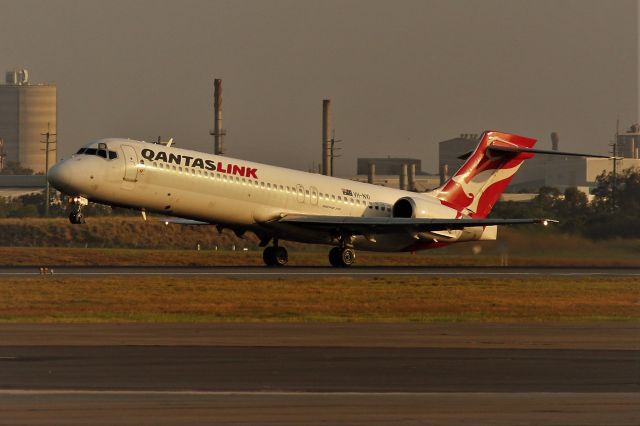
344,255
76,217
275,255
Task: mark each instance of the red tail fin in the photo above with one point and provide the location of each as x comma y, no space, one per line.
476,187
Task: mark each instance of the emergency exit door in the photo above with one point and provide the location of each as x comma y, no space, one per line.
130,163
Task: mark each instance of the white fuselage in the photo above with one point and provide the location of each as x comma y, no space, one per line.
238,194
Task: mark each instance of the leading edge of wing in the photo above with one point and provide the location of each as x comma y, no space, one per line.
384,223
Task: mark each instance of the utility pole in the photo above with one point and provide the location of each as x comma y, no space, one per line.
614,178
3,154
47,141
334,149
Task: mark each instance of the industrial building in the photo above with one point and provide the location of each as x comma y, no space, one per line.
450,150
402,173
26,112
564,172
556,171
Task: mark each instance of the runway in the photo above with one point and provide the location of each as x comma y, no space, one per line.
319,373
317,369
262,272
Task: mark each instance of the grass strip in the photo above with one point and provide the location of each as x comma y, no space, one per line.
386,299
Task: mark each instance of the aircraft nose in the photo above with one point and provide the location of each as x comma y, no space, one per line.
59,176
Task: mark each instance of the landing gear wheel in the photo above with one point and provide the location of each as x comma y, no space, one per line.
334,256
268,256
275,256
342,257
281,257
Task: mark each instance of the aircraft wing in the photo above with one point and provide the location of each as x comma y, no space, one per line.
181,221
368,225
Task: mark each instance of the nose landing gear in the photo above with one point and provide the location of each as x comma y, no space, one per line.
275,255
76,217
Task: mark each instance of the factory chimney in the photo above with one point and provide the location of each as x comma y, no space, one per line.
326,138
444,174
403,176
218,132
412,177
555,141
372,172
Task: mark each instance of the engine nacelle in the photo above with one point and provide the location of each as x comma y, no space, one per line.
422,208
425,208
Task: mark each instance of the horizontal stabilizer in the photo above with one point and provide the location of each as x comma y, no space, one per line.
497,149
500,149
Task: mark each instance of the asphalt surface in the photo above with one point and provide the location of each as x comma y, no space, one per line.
185,374
314,272
317,369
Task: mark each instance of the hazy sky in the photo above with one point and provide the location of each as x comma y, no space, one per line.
402,75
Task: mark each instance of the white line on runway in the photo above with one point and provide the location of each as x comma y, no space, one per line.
354,273
45,392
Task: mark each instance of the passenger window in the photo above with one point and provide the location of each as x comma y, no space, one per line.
377,207
155,165
281,189
333,198
174,168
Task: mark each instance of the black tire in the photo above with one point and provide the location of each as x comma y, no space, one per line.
280,256
335,256
347,257
76,218
268,256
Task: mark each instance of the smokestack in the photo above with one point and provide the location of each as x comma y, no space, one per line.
403,176
555,141
326,138
372,172
412,177
444,174
218,133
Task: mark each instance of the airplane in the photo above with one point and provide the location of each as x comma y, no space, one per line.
276,204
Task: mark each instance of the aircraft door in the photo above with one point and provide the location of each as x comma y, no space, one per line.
314,196
130,162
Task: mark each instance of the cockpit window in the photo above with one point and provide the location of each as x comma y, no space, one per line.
110,155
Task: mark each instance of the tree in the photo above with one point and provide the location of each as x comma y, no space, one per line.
14,168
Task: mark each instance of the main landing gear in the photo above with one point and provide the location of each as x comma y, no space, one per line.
275,255
343,255
76,217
